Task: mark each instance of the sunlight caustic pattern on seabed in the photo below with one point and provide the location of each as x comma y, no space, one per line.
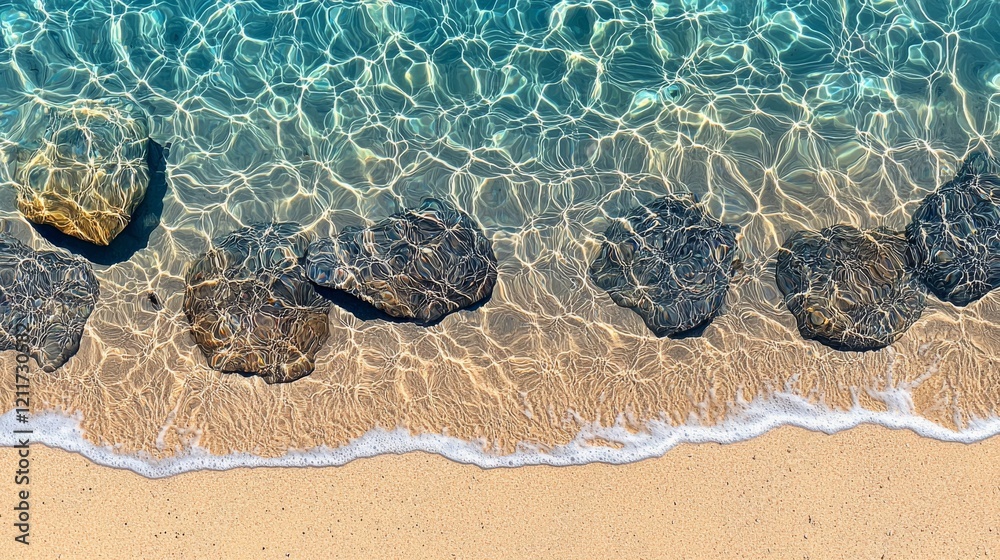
544,120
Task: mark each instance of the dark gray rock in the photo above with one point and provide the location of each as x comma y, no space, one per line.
956,233
849,289
670,262
90,172
418,264
46,295
251,308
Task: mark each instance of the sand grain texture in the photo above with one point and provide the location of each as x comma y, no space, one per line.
864,493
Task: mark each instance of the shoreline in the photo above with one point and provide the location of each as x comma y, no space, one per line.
864,492
612,445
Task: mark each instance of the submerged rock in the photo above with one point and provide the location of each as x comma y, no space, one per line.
956,233
90,172
46,295
417,264
251,308
670,262
849,289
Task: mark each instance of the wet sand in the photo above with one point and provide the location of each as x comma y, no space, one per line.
869,492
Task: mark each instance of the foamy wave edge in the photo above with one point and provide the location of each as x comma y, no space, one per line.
753,418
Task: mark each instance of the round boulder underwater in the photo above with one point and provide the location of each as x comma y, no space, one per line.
251,308
46,297
419,264
90,172
956,233
670,262
849,289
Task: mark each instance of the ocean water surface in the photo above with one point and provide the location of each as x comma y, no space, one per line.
546,122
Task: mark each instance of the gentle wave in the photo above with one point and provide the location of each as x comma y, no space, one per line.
748,421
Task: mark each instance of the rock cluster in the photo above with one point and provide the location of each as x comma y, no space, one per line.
254,309
861,290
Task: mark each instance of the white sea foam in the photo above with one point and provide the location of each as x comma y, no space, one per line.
753,419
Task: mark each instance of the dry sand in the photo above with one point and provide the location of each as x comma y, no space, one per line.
866,493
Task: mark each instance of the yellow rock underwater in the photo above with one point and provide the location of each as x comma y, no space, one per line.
89,173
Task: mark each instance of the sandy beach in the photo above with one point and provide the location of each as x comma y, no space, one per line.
865,493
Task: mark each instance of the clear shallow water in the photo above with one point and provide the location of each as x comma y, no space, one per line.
543,120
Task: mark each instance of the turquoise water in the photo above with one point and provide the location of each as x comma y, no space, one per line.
543,120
